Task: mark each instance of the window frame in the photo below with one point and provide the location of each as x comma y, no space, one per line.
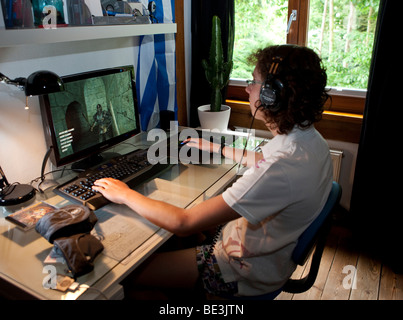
343,114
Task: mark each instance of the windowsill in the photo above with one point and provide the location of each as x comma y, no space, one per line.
341,126
357,93
360,93
342,100
343,115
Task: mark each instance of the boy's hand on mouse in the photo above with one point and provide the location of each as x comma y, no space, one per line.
202,144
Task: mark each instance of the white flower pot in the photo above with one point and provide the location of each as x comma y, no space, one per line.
214,120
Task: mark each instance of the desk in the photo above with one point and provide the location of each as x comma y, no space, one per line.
22,254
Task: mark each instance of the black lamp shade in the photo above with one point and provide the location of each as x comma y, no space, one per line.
43,82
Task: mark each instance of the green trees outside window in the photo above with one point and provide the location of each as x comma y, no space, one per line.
340,31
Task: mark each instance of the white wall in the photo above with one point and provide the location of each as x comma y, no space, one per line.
22,142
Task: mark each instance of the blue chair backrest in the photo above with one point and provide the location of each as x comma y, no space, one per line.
306,241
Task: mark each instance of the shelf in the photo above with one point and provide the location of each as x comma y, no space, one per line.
16,37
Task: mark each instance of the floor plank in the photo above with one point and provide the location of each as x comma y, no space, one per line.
315,293
336,287
299,271
368,276
341,261
391,286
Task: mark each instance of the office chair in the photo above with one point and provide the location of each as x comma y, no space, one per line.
314,237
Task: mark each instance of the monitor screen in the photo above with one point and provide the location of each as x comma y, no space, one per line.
97,110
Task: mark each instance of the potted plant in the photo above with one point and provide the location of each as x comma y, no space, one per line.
217,74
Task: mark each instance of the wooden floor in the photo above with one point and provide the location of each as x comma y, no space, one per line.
335,281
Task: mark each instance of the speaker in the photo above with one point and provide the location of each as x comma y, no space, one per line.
272,90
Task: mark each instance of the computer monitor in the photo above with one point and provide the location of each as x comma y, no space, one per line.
96,111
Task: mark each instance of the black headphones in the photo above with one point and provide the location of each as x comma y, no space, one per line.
272,90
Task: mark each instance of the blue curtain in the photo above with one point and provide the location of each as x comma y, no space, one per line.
156,75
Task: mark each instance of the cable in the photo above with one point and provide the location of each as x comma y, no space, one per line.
247,139
45,159
220,227
214,241
7,190
49,172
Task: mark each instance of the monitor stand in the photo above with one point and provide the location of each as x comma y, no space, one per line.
87,163
92,161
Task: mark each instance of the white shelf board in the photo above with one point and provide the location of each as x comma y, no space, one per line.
16,37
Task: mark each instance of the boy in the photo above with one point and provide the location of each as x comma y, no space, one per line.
265,210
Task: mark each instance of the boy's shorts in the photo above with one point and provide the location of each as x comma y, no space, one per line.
210,273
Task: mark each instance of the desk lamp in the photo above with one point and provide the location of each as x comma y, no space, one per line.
40,82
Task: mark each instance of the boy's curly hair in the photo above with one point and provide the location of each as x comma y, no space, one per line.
304,78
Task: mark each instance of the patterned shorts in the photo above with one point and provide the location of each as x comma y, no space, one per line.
210,273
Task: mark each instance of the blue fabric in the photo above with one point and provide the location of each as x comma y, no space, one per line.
156,69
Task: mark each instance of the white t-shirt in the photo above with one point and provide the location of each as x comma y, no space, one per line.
277,198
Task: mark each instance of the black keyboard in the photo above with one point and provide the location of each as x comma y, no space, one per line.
133,169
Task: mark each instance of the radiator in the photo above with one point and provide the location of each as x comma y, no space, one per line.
336,155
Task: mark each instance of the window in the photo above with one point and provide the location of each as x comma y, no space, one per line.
340,31
257,24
